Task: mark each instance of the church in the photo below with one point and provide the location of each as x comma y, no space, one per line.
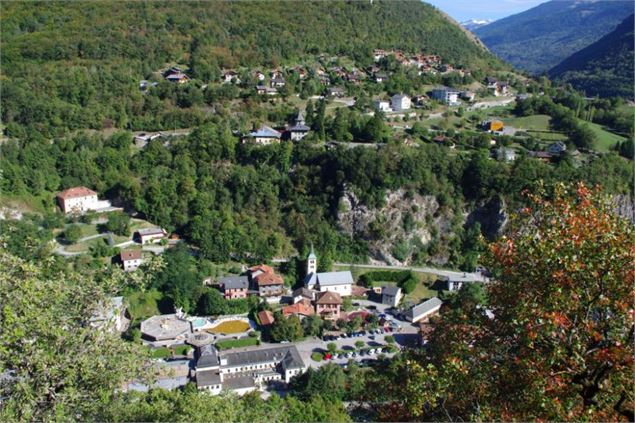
338,282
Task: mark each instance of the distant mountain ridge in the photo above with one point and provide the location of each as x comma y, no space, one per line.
540,38
604,68
474,24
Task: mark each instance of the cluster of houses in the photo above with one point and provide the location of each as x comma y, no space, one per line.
320,294
265,135
496,87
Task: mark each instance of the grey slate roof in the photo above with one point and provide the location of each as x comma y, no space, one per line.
238,382
234,282
335,278
207,378
265,132
299,128
292,359
391,290
305,292
150,231
207,356
424,307
267,355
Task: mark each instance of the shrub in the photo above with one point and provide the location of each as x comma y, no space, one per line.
72,234
316,356
390,339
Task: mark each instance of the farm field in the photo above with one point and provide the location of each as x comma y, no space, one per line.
605,139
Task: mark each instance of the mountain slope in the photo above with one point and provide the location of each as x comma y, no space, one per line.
540,38
604,68
78,64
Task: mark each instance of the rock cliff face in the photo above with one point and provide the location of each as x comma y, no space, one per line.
625,206
407,222
492,216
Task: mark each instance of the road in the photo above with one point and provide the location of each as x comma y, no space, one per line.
492,103
431,270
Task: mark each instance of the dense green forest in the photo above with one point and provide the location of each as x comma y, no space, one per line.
604,68
77,65
246,202
538,39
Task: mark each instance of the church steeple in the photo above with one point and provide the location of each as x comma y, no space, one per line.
311,262
300,121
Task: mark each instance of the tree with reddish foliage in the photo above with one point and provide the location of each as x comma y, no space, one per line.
560,343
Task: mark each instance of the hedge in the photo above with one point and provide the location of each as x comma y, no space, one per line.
237,343
406,279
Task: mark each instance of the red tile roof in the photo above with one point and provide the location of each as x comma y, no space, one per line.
261,267
130,255
302,307
265,317
76,192
265,279
358,291
328,297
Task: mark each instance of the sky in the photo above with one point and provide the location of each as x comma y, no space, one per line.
463,10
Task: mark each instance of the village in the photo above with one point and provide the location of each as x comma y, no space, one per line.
334,315
357,320
471,112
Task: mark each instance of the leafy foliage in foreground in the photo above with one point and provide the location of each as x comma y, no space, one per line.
560,344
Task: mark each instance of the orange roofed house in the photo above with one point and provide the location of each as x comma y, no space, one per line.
266,318
266,281
302,308
328,305
77,200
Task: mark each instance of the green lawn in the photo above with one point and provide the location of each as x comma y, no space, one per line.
81,247
237,343
144,304
421,292
605,139
164,352
535,122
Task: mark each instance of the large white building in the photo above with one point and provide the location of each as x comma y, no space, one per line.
245,371
80,200
338,282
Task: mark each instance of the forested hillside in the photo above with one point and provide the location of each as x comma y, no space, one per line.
78,65
540,38
604,68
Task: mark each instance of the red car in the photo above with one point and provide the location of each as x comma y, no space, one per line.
327,356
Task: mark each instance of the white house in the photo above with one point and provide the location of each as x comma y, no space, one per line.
391,295
80,200
141,139
265,135
446,95
131,260
151,235
400,102
299,130
230,76
382,105
424,310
